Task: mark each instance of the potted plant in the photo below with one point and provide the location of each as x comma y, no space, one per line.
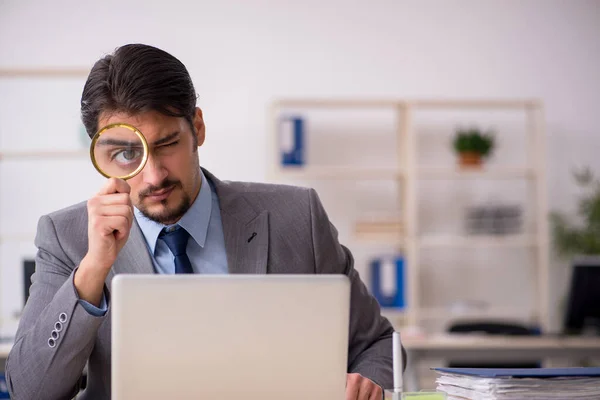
579,242
583,239
472,146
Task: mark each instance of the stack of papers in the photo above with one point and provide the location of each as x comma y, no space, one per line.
513,384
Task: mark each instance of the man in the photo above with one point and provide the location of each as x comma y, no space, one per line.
131,226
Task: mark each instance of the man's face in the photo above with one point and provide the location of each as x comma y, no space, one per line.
165,189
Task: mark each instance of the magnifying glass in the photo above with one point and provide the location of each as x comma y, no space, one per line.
119,151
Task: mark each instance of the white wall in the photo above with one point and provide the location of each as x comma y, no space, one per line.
243,54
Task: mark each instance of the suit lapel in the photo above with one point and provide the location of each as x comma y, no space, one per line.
134,258
245,229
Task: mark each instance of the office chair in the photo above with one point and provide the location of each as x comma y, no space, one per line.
493,328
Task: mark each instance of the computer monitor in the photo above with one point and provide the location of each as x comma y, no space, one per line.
583,305
28,270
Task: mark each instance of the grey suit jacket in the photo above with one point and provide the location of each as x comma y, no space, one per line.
294,235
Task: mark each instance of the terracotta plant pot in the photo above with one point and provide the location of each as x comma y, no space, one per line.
470,159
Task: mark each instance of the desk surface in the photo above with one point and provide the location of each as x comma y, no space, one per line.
471,342
551,350
5,349
477,341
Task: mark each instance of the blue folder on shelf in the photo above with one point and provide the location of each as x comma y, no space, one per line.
523,372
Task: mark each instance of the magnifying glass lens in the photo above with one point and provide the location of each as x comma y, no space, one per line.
119,151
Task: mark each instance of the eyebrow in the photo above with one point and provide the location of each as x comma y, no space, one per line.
116,142
165,139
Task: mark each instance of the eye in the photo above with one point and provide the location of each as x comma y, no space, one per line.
171,144
127,156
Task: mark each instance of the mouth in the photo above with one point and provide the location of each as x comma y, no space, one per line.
160,194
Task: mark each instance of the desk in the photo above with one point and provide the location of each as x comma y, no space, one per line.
473,347
5,349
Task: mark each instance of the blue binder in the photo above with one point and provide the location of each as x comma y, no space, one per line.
291,137
3,387
380,274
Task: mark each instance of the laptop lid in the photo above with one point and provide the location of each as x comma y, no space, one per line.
227,337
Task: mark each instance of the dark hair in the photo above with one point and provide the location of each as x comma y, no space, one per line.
137,78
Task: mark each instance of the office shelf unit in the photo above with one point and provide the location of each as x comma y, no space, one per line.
23,155
12,75
405,232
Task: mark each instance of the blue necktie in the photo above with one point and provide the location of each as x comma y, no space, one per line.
177,240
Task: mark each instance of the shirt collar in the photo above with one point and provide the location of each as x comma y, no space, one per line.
194,221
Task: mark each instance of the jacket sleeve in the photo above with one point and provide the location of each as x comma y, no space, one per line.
370,336
56,334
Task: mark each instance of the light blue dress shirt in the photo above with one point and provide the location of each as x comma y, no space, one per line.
205,248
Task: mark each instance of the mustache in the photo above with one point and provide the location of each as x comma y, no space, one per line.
167,183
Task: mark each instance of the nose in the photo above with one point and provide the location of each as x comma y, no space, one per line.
154,173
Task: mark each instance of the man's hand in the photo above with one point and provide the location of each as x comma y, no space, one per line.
110,216
360,388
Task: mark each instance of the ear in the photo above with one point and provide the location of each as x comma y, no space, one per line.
199,126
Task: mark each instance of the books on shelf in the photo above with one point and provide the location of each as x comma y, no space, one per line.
516,384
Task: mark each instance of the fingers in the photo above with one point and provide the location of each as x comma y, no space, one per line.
108,225
110,217
360,388
117,204
377,392
114,198
365,389
110,212
115,185
352,386
118,210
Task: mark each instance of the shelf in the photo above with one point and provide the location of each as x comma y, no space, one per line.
477,103
396,239
393,313
338,103
474,241
417,103
476,173
43,154
44,72
380,230
333,173
383,173
413,173
17,237
456,241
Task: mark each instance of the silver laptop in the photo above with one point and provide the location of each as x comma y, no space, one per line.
230,337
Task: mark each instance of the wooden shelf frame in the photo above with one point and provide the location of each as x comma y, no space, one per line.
409,174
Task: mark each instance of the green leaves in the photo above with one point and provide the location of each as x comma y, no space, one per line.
584,238
474,141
